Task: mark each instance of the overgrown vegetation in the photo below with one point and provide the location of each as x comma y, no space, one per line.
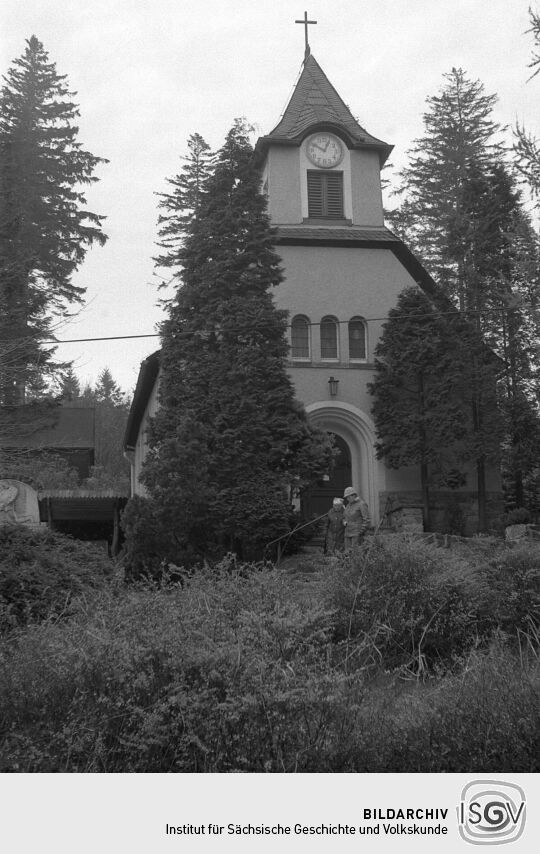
403,658
41,572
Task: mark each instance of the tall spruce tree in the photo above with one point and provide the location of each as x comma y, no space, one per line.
70,388
183,202
45,228
111,406
229,439
460,133
461,210
526,146
421,394
494,236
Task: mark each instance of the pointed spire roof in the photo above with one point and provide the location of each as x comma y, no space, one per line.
315,103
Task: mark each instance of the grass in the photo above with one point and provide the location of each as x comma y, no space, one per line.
404,658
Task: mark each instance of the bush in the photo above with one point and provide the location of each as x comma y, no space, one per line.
41,470
519,516
404,603
483,717
150,544
223,674
244,669
41,571
145,540
513,576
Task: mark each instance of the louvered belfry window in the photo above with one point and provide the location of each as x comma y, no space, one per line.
325,194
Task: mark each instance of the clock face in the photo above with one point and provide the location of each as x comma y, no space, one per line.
324,150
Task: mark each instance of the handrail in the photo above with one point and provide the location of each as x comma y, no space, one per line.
289,534
298,528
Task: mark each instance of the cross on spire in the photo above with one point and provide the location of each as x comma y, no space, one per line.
306,23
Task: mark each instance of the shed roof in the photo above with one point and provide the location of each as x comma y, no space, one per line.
80,505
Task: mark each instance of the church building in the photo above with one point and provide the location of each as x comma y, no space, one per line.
343,272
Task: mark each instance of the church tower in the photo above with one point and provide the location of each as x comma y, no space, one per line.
343,272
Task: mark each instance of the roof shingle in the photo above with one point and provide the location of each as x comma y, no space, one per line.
315,102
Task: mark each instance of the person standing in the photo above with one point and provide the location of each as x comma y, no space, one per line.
334,539
356,518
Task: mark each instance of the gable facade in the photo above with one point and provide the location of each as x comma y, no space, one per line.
343,273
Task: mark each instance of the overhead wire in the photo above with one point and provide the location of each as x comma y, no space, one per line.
455,313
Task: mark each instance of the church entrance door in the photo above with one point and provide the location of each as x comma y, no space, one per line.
318,499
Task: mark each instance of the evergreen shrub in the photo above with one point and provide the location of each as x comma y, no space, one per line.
518,516
226,673
147,540
239,670
513,576
42,571
405,603
481,716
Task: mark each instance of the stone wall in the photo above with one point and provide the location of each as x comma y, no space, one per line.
452,512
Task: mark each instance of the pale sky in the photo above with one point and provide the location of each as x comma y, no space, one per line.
148,73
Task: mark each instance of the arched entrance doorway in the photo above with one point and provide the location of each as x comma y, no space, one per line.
356,429
318,499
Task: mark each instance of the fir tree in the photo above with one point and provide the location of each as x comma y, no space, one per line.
183,203
70,388
108,391
420,400
462,212
501,256
45,229
460,134
526,147
111,405
229,438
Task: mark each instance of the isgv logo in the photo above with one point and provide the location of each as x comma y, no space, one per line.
491,812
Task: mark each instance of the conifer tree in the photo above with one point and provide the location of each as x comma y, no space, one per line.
462,213
460,133
111,405
421,404
70,388
45,228
107,389
183,202
526,147
500,250
229,438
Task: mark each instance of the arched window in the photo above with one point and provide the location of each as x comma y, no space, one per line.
357,339
300,338
329,338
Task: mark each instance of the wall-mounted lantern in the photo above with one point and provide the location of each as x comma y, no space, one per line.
333,383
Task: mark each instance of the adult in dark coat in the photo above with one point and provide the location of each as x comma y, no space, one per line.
334,540
356,518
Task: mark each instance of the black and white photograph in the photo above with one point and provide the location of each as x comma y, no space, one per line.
269,425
